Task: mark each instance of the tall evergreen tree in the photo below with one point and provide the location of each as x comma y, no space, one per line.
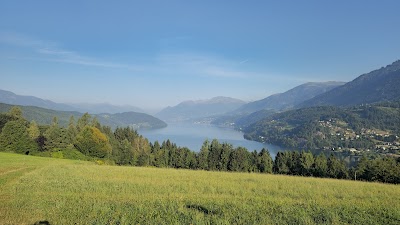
306,163
214,155
95,123
281,163
320,167
336,168
202,156
56,137
4,118
15,138
72,131
226,150
127,155
294,163
157,153
142,149
239,160
83,122
264,161
360,171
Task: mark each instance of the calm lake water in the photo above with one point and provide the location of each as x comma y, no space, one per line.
193,136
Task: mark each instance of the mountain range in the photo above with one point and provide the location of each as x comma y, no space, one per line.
189,110
379,85
45,116
290,98
359,114
254,111
376,86
11,98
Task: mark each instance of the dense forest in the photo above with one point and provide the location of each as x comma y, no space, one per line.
364,127
87,139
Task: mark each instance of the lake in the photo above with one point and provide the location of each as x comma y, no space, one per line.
193,136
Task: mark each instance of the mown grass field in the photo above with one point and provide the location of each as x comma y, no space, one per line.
76,192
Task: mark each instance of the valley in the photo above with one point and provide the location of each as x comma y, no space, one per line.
199,112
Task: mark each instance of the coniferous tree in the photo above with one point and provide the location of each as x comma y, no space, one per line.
202,156
264,162
223,161
127,155
164,154
281,163
83,122
15,138
115,144
336,168
157,153
239,160
56,137
360,171
142,149
95,123
214,155
253,161
72,131
4,118
320,167
294,163
190,159
306,163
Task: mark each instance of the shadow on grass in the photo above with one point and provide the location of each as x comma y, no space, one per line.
203,209
42,222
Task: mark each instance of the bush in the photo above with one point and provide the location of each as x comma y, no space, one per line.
58,155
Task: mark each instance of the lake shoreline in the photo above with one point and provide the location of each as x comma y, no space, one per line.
192,136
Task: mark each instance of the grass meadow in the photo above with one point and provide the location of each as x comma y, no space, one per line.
63,191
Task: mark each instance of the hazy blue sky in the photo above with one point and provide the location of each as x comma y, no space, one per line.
157,53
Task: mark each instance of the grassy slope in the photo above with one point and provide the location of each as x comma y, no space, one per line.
68,192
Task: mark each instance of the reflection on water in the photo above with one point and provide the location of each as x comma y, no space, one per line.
193,136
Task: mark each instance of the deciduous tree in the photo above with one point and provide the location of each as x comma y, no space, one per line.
90,141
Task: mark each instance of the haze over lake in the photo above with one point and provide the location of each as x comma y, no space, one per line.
193,135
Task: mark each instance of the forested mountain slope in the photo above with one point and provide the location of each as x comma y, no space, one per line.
362,127
379,85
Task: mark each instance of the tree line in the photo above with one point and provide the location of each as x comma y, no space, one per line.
87,139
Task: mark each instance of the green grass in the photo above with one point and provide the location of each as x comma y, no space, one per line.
77,192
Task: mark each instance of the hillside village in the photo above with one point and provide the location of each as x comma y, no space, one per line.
385,141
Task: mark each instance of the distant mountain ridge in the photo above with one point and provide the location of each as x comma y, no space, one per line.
11,98
379,85
290,98
199,109
135,120
45,116
105,108
253,111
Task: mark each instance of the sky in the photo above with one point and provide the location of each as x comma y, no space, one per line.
154,54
